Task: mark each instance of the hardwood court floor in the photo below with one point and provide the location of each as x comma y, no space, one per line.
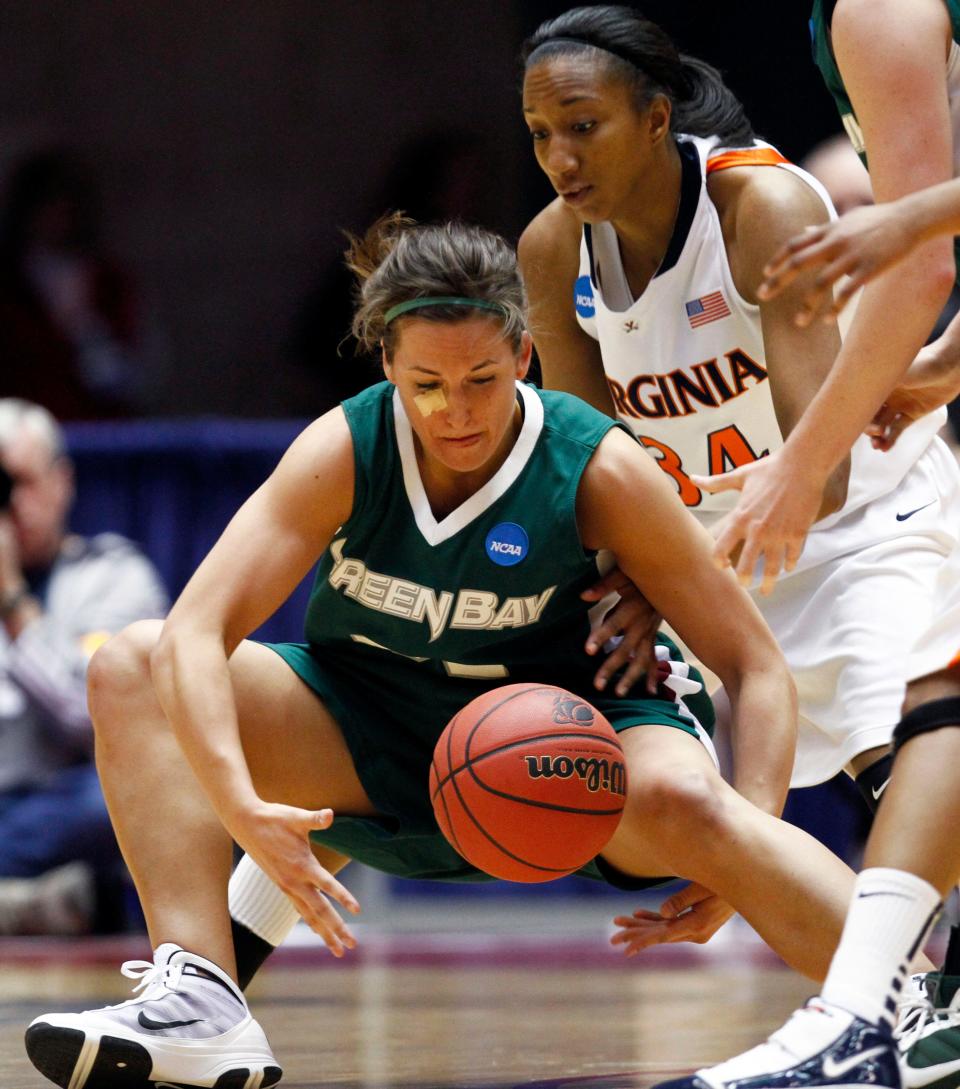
454,1011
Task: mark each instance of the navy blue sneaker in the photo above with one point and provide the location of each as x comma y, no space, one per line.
821,1045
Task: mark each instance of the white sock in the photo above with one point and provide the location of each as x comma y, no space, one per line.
889,917
259,905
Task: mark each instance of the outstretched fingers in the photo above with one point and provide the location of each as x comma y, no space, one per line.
694,914
278,841
802,251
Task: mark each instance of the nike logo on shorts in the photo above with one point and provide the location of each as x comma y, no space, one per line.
149,1023
834,1069
877,791
916,510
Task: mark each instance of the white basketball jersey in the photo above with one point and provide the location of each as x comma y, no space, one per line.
685,361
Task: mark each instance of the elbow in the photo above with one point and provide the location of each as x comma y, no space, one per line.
777,680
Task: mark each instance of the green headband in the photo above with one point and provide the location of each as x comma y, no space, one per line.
439,300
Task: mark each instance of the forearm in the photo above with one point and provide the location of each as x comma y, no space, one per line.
933,211
764,736
886,334
192,681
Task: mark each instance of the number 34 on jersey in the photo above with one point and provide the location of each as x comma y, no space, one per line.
694,420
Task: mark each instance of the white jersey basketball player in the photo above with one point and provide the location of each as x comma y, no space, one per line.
643,277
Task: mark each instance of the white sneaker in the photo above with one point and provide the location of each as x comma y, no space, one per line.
928,1032
190,1027
821,1045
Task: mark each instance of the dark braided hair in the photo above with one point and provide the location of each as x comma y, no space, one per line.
640,52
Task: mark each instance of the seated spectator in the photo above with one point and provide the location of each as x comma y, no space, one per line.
61,596
68,330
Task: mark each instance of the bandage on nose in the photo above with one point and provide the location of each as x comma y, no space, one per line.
431,401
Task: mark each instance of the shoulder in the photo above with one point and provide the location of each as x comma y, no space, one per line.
877,21
324,446
768,197
617,485
550,241
573,420
760,209
887,51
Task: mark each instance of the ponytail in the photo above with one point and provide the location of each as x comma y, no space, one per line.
640,52
710,107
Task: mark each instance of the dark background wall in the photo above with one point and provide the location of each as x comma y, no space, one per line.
233,140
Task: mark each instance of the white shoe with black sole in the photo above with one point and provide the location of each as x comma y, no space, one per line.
190,1027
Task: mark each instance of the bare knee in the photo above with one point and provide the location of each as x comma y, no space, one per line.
678,802
119,672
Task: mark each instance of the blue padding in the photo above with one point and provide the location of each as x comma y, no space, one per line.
172,486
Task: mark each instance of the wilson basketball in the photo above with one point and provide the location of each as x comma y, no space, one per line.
528,782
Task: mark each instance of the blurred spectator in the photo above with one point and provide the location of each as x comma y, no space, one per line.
835,164
67,321
435,177
61,595
837,167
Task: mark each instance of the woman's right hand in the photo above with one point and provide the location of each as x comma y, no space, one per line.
633,623
277,838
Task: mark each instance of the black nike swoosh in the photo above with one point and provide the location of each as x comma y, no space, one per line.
864,895
911,513
149,1023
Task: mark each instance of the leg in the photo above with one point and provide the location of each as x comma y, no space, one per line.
912,859
908,835
870,772
682,818
190,1022
912,855
295,751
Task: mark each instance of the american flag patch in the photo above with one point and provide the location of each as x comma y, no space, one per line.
707,308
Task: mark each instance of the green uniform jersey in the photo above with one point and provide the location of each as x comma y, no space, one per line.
411,617
820,21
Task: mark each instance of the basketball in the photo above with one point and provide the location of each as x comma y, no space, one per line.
528,782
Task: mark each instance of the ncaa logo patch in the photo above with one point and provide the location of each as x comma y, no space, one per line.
583,297
507,544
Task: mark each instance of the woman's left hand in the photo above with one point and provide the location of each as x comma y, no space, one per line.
634,620
694,914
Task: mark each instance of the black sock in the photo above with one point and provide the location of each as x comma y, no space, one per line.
250,950
872,781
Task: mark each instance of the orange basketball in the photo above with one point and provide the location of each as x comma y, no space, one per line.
528,782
